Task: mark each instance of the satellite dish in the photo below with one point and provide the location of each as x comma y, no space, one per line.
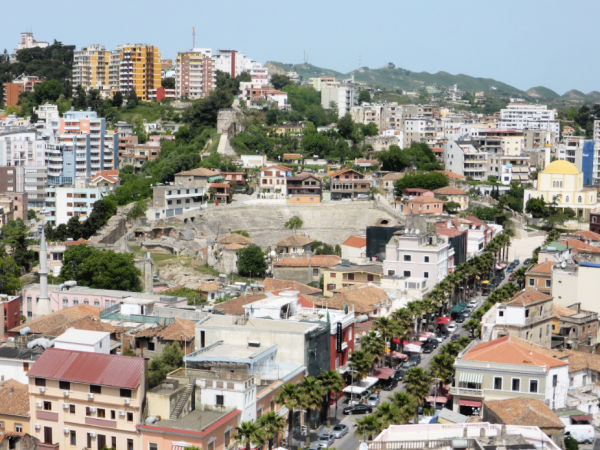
563,264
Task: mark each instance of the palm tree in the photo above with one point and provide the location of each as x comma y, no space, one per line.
249,433
418,383
361,364
388,414
289,396
368,426
406,405
272,425
374,345
385,327
332,383
311,395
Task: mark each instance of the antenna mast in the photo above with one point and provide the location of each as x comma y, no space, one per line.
193,37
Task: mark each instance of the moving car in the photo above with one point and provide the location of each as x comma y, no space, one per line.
326,440
340,430
358,409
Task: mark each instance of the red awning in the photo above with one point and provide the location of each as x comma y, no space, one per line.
439,399
582,418
398,355
471,403
419,343
396,340
442,320
383,373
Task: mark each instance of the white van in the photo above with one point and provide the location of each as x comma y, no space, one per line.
581,433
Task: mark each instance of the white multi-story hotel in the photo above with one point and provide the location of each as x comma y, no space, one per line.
523,116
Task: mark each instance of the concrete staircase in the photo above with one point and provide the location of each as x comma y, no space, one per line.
181,401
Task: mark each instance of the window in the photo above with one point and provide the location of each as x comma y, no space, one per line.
113,414
315,272
18,428
89,441
72,408
425,274
129,417
391,273
548,283
47,406
527,312
407,257
152,446
516,384
533,385
351,276
531,282
113,442
227,437
101,413
332,275
40,382
426,259
331,287
26,367
151,346
64,385
498,383
125,393
407,273
72,438
65,302
88,411
95,389
370,277
220,400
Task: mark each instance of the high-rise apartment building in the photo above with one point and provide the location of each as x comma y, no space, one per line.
195,74
532,117
14,89
138,67
91,68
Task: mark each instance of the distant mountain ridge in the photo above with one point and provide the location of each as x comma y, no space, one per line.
394,78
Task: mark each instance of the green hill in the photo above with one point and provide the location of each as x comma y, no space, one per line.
394,79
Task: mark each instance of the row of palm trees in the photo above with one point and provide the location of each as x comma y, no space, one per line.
406,322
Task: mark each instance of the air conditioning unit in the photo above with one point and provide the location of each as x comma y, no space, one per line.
92,409
65,406
38,404
66,430
42,390
90,396
37,426
122,412
92,434
65,393
127,401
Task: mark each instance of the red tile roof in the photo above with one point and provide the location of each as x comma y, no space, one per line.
527,297
315,261
356,241
508,350
542,268
588,235
580,246
89,368
77,242
111,176
275,166
449,174
449,190
273,284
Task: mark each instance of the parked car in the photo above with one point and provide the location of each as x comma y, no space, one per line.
326,440
399,373
340,430
415,357
510,269
454,337
358,409
473,303
433,342
373,400
516,262
451,327
526,261
427,347
390,385
460,319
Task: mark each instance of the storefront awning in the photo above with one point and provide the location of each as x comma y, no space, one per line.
582,418
398,355
383,373
439,399
458,308
470,377
471,403
412,348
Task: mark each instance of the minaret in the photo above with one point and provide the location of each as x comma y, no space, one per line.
43,302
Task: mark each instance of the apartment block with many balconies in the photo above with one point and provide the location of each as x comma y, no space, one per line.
86,400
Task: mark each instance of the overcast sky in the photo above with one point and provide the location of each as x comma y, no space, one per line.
524,43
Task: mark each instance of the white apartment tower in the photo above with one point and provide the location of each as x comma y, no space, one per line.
523,116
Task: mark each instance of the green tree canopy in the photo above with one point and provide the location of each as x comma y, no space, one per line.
422,180
415,157
103,269
294,223
279,81
251,261
364,97
170,359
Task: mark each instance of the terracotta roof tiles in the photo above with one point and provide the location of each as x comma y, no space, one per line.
235,238
315,261
356,242
363,299
510,350
528,297
14,398
449,190
272,284
56,323
544,268
294,240
524,411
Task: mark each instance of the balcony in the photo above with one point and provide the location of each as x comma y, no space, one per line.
100,422
46,415
466,392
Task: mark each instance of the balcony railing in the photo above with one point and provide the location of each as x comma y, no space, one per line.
466,392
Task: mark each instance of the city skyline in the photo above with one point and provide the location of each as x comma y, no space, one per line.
521,44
